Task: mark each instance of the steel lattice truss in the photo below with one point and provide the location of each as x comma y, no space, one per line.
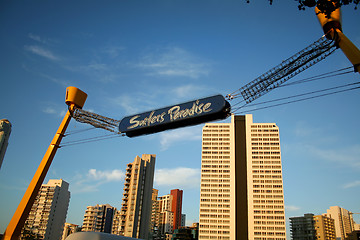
302,60
96,120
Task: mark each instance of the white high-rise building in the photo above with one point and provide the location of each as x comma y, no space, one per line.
48,214
241,181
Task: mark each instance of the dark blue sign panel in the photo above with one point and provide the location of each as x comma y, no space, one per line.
181,115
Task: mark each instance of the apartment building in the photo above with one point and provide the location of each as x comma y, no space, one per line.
70,228
98,218
48,214
325,227
166,216
344,222
133,220
241,193
302,228
154,214
312,227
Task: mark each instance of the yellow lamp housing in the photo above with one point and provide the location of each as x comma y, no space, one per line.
75,96
329,22
333,31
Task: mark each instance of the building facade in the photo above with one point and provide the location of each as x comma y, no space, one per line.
311,227
133,220
176,207
241,193
98,218
48,214
188,233
70,228
183,220
166,215
154,214
302,228
5,130
344,223
325,227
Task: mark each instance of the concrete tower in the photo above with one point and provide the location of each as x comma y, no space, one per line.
135,214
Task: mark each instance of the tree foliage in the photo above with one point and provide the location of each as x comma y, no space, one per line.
325,6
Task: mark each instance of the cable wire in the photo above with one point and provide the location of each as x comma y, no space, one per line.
93,139
78,131
309,79
314,79
298,100
299,95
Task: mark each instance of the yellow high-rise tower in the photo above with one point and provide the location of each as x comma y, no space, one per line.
241,181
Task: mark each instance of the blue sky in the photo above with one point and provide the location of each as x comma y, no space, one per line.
134,56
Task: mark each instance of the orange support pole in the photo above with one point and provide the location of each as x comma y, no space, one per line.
74,98
349,49
17,222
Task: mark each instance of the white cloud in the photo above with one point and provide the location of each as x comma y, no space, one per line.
107,176
175,62
169,138
93,179
291,208
352,184
113,51
40,39
142,101
189,91
41,52
349,156
303,129
55,80
181,177
35,37
127,102
52,110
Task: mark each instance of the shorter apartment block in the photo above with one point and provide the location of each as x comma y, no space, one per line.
312,227
70,228
98,218
48,214
166,214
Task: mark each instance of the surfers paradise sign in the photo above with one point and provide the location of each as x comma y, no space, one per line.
181,115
